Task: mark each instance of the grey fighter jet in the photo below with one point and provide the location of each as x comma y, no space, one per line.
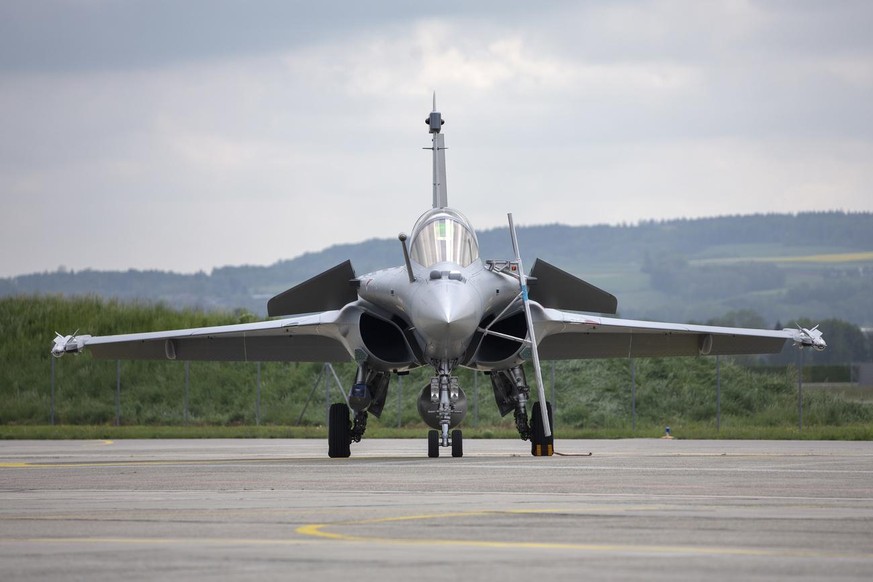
446,308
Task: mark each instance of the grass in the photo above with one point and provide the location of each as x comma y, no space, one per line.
99,432
697,431
844,390
169,399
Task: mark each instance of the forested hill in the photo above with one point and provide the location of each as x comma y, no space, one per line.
781,266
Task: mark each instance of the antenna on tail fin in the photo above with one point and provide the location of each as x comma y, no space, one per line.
435,123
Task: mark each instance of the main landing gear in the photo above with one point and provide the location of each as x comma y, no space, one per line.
512,393
341,433
442,405
367,395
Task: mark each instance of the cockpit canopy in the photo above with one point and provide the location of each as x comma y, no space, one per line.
443,235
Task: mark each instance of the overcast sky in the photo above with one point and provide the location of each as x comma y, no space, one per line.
189,135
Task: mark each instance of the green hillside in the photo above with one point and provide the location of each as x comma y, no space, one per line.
814,265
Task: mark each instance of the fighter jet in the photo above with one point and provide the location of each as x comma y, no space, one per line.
445,307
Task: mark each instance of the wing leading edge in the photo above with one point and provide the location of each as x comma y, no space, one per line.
571,336
311,338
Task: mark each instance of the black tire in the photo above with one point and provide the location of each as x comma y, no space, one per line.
339,429
457,443
540,446
433,444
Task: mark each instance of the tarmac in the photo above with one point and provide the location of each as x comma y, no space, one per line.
280,509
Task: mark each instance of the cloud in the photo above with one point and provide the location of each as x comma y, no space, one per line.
275,128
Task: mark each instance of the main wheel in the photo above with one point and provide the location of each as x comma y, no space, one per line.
339,428
457,444
540,445
433,443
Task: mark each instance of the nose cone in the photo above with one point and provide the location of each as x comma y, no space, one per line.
445,316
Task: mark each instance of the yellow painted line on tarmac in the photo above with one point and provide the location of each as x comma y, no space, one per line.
316,533
317,530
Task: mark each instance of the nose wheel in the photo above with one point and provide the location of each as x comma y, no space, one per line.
433,443
457,444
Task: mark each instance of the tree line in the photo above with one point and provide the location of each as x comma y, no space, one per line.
663,270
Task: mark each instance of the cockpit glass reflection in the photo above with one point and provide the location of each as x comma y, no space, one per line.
443,235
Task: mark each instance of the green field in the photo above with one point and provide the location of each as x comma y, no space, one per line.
862,431
592,398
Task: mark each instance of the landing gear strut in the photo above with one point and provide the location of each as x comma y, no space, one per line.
443,406
367,395
512,393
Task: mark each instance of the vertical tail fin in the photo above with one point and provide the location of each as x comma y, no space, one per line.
435,122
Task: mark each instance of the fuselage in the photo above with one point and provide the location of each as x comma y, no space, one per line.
452,292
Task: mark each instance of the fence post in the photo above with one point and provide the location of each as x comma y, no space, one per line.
800,393
326,396
258,399
52,401
633,395
311,392
185,398
718,393
399,399
476,399
117,392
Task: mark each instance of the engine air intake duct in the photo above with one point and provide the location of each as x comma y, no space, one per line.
496,349
384,340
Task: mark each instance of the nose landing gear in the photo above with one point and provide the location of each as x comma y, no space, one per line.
456,440
443,405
